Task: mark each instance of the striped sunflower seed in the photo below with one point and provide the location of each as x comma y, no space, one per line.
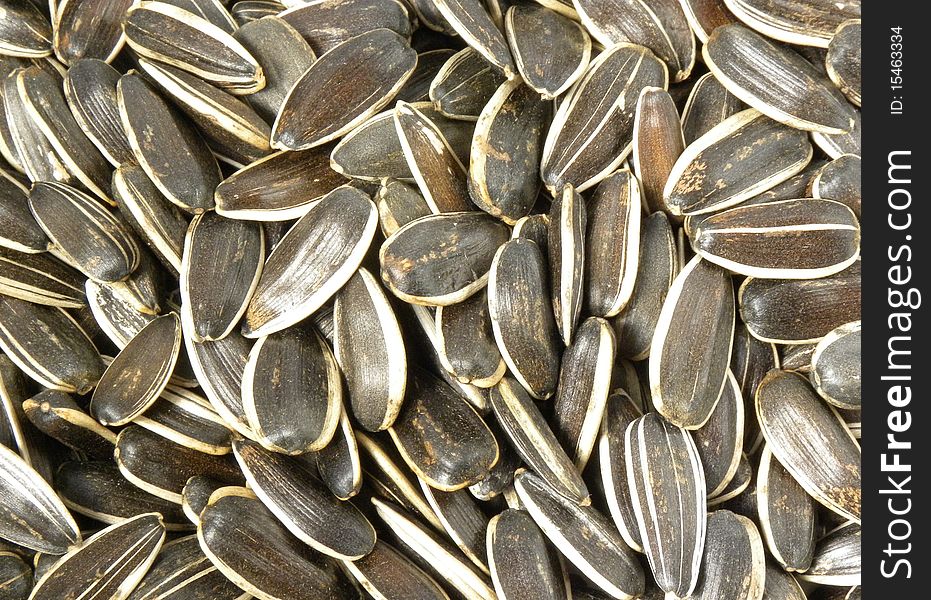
720,440
328,23
18,228
534,228
786,514
297,279
612,453
210,10
843,59
196,494
522,565
708,104
342,89
15,576
90,89
550,50
807,23
339,463
24,31
247,11
471,21
33,515
780,585
776,81
660,25
658,142
839,180
189,420
464,85
429,63
117,316
839,144
467,345
464,522
786,239
501,475
41,279
88,30
592,130
734,561
182,568
667,484
823,456
386,573
172,35
751,360
58,416
109,564
835,366
739,486
398,204
566,245
704,16
837,558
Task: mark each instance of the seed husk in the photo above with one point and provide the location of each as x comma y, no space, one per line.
704,16
636,322
720,440
434,165
708,104
220,269
213,11
534,441
620,412
737,159
446,560
837,558
522,318
472,22
24,31
88,30
328,23
370,350
550,50
15,432
253,550
660,25
18,228
398,204
189,420
292,391
806,23
786,239
781,585
182,569
786,514
161,467
822,456
843,59
776,81
657,142
373,151
839,144
386,574
464,85
339,463
57,415
566,246
441,437
739,484
734,561
835,367
233,130
109,564
90,90
504,168
534,228
248,11
283,54
796,357
839,180
41,279
15,576
691,347
98,490
49,346
522,565
464,522
180,164
584,536
139,373
441,259
196,494
118,317
429,63
289,488
342,89
174,36
592,131
751,359
800,311
33,515
467,345
297,279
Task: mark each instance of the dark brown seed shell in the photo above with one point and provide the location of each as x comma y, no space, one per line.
658,142
182,568
467,345
804,22
704,16
339,462
720,440
620,412
24,31
464,85
398,205
90,89
40,278
835,367
839,180
58,416
708,104
473,23
328,23
843,60
787,514
734,561
463,521
566,246
837,558
89,30
522,564
388,573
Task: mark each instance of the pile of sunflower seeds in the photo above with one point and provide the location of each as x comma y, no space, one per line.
430,299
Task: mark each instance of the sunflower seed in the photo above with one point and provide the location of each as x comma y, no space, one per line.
471,21
522,566
535,442
837,558
196,494
467,345
182,569
807,23
501,476
720,440
248,11
708,104
88,30
792,188
189,420
441,437
660,25
592,131
464,522
835,366
109,564
398,205
15,576
781,585
296,279
57,415
843,59
276,389
734,561
386,573
521,318
251,548
839,180
330,98
657,142
24,31
619,413
118,318
751,359
686,378
584,536
233,130
90,90
33,515
464,85
437,170
429,63
823,456
786,514
776,81
179,163
534,228
213,11
18,228
172,35
800,311
704,16
328,23
550,50
796,357
41,279
339,463
566,245
739,485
